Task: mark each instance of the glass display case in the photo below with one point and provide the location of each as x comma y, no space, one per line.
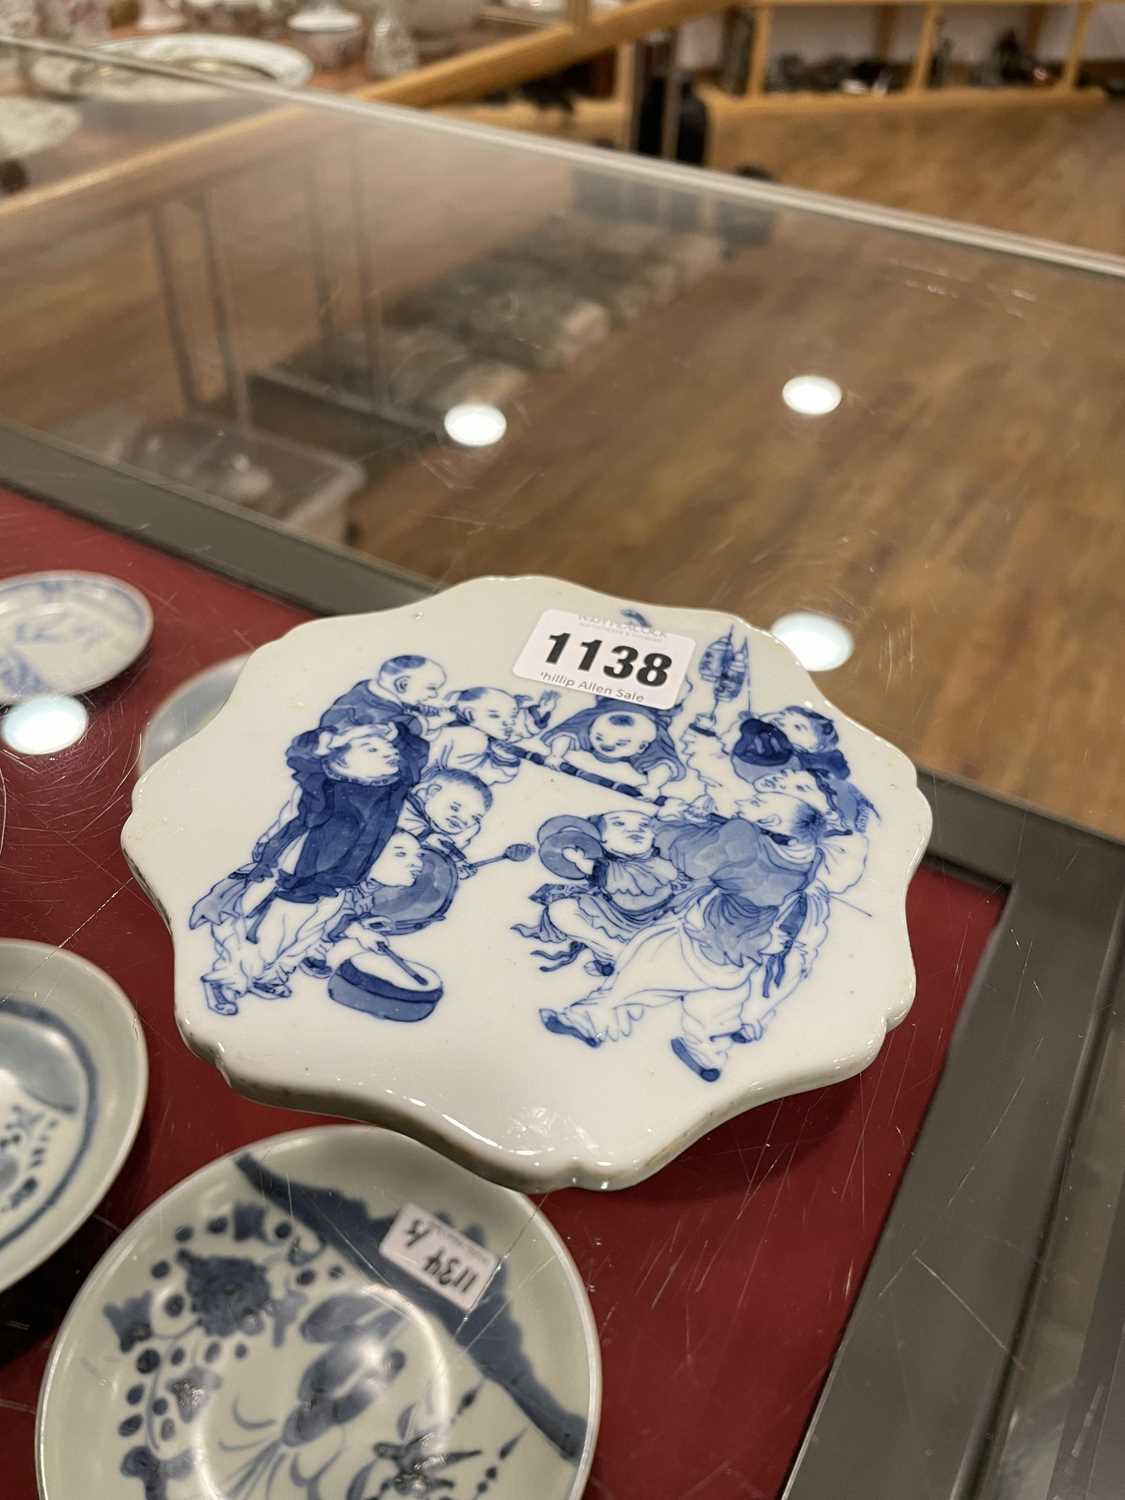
269,356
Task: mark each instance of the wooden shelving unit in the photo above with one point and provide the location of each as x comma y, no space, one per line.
729,114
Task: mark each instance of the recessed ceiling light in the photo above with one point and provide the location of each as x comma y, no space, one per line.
811,395
474,424
819,642
40,726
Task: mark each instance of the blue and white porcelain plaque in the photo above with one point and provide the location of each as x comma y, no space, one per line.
550,880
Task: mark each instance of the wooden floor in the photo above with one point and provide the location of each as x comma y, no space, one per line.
963,511
1053,173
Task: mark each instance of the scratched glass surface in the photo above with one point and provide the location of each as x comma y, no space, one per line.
461,353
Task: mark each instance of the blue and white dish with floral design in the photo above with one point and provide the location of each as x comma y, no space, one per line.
255,1334
549,879
67,632
73,1079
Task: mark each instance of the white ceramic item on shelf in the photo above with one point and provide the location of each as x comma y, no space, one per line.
73,1078
296,1320
436,24
212,57
230,17
331,36
559,921
28,126
159,15
67,632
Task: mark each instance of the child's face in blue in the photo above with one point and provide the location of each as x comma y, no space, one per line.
494,713
372,756
419,685
797,727
621,736
453,808
629,833
400,862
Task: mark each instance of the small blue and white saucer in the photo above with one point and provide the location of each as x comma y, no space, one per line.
67,632
73,1080
334,1314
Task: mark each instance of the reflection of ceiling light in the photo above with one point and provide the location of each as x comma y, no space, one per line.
40,726
811,395
817,641
474,424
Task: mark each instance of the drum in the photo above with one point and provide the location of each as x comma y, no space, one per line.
379,985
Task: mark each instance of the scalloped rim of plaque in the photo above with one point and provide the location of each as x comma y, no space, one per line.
557,940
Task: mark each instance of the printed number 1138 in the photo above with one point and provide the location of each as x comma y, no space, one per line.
595,656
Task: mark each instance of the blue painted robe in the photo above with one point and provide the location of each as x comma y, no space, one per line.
741,876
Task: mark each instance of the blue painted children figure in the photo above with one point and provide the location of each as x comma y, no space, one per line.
351,783
408,888
804,739
628,745
405,690
445,811
488,724
739,873
616,883
442,815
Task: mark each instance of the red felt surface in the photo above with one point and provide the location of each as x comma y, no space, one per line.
721,1287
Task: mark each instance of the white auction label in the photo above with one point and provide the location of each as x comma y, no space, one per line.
607,658
456,1267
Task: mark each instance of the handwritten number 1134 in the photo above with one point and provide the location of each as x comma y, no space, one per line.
652,672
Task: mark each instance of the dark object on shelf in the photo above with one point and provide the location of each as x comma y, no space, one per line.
791,74
691,141
556,91
939,63
13,177
737,46
1011,59
787,74
828,76
870,70
1012,63
584,80
559,90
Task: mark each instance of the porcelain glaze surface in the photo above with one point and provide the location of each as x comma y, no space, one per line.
557,934
73,1077
210,54
253,1338
67,632
28,126
184,712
